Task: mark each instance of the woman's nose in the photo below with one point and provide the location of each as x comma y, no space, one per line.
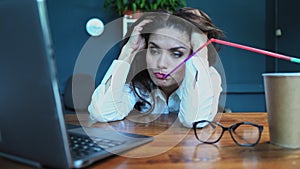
162,61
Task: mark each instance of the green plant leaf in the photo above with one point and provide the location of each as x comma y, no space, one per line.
144,5
134,8
183,3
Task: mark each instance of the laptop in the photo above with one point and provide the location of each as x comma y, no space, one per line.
32,126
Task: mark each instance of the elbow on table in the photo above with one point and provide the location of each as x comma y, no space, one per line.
103,117
186,122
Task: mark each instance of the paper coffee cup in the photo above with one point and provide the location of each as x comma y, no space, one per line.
282,92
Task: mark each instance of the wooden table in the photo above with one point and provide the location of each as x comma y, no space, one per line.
176,147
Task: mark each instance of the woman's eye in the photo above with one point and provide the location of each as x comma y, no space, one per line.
154,51
177,54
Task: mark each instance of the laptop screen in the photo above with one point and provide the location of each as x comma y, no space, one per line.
32,128
31,118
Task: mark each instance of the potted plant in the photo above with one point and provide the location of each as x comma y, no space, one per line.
170,5
123,6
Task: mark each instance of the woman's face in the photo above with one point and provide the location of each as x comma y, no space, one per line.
167,47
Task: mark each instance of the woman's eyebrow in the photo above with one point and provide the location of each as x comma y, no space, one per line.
155,45
171,49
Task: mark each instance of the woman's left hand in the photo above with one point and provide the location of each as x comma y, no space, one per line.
197,40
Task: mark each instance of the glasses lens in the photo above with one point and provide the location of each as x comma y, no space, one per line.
246,134
208,132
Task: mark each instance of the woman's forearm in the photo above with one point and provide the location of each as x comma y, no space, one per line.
109,101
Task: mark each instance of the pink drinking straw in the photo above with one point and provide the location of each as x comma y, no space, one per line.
276,55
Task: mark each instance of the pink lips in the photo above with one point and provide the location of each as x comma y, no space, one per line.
160,75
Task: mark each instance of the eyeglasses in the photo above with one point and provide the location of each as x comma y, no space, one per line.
243,133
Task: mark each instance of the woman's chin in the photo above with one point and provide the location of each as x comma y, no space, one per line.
161,82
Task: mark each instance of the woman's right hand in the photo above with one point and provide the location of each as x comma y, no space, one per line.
197,40
135,43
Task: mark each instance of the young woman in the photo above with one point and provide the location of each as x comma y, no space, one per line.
137,83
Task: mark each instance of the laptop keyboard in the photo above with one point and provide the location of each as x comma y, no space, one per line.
82,145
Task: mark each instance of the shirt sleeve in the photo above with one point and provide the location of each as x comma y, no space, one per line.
113,99
200,95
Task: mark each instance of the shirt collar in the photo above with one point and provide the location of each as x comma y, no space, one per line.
177,92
